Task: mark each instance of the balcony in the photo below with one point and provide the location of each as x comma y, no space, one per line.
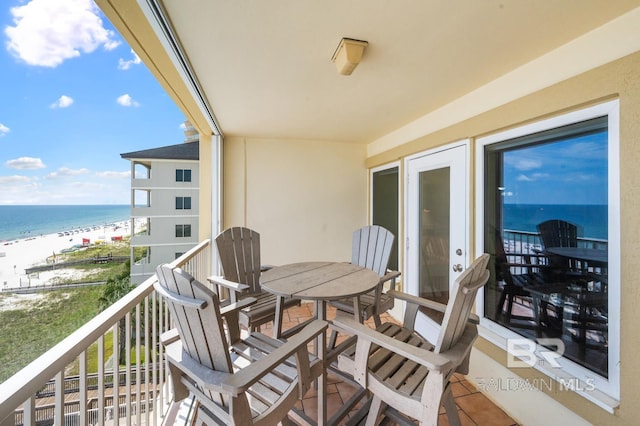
138,392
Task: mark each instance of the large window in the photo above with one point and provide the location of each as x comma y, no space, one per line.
548,193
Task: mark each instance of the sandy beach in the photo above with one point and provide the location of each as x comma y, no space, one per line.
17,255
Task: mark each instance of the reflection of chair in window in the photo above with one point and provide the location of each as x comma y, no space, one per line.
585,316
434,278
559,233
514,288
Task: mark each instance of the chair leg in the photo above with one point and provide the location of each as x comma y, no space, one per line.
332,339
500,307
376,320
376,409
509,307
286,422
451,409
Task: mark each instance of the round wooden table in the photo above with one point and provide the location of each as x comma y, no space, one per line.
320,282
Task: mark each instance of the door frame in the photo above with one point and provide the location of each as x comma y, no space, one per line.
466,144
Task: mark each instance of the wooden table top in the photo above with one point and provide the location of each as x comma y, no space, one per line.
319,280
581,253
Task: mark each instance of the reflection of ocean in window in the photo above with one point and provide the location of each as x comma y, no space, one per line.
557,174
591,218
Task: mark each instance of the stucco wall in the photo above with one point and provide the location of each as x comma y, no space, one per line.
619,79
305,198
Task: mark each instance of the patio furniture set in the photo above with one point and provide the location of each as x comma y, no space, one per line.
249,378
565,285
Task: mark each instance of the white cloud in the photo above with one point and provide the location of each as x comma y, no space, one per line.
48,32
524,178
532,177
25,163
127,101
3,130
12,180
527,164
65,171
125,65
114,175
62,102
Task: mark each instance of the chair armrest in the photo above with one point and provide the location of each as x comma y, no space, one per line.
367,336
436,306
390,275
235,307
243,379
169,336
231,285
426,303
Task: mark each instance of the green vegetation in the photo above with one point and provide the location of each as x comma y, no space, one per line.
48,318
36,323
115,288
120,248
94,272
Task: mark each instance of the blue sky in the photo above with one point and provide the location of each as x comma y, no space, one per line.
573,171
74,96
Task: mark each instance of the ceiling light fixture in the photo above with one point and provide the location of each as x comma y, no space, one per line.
348,54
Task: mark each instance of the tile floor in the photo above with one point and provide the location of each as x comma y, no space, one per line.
475,409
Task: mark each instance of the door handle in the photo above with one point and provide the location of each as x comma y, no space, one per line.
457,267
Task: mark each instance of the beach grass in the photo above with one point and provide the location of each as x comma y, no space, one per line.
40,324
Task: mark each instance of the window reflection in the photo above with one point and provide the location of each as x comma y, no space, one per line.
546,226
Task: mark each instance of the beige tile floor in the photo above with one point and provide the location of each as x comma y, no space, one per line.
475,409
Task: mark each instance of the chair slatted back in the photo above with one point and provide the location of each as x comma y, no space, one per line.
558,233
196,313
460,304
239,251
371,248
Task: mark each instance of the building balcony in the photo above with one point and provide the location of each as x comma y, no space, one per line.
138,391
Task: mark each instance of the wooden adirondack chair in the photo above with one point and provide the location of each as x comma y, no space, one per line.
406,374
251,381
560,233
239,251
371,248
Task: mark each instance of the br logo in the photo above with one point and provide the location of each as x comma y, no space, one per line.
525,353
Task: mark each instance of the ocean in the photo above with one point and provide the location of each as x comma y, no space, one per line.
29,221
26,221
592,219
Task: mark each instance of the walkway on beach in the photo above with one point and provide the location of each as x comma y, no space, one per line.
47,287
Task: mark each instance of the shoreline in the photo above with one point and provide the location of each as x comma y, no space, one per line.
20,254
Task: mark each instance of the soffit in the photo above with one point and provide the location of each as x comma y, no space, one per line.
265,66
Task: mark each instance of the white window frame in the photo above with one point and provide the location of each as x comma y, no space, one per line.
605,392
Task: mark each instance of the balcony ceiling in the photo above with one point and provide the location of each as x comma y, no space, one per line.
265,66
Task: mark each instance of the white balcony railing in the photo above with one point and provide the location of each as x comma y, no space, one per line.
45,392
